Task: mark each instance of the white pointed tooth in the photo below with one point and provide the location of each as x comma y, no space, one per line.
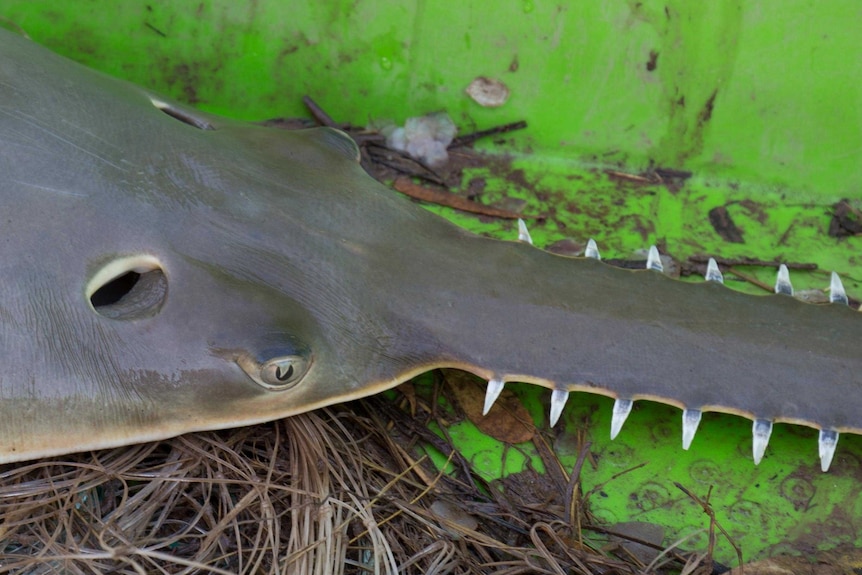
592,250
622,408
690,421
836,290
826,446
495,388
713,274
653,261
761,430
523,232
782,282
558,401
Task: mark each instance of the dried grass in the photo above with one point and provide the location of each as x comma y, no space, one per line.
329,492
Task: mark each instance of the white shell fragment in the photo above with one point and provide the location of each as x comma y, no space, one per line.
713,274
523,232
592,250
690,421
653,261
493,391
826,446
622,408
761,430
558,402
836,291
488,92
425,138
782,282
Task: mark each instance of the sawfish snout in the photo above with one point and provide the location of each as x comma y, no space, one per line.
691,417
510,312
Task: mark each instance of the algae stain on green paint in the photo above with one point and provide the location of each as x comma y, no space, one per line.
694,61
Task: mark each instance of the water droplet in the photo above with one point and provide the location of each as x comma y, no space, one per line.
385,63
528,6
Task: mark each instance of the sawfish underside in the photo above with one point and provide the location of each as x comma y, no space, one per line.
166,271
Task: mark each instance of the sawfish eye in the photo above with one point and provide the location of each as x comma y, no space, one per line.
277,373
283,372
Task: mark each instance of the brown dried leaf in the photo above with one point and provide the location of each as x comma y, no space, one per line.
507,421
440,197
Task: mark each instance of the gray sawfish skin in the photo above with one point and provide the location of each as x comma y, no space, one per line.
291,280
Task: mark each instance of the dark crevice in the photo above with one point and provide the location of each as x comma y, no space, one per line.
132,295
114,290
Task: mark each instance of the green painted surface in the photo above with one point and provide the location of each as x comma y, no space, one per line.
620,81
786,504
761,101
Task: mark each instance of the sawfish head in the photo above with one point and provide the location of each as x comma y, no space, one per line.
166,270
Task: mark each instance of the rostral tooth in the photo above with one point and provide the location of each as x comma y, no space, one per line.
782,281
523,232
713,274
836,291
690,421
826,444
592,250
558,402
653,261
761,430
622,408
493,391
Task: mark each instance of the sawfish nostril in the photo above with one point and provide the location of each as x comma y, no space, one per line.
128,288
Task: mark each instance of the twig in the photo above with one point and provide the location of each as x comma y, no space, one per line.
728,262
632,177
467,139
751,279
322,117
571,489
713,524
404,163
600,486
424,193
666,552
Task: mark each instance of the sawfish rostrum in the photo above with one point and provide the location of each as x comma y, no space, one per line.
165,270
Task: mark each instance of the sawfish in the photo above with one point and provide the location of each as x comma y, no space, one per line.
165,271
